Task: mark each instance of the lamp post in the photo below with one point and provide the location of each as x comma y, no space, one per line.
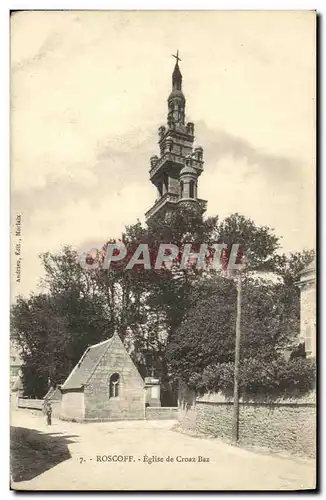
249,272
235,418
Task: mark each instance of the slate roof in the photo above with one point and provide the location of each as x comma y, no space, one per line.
86,365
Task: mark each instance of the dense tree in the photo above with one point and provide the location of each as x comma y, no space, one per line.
52,331
259,243
39,332
155,309
202,350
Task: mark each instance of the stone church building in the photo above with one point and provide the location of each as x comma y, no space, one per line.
104,385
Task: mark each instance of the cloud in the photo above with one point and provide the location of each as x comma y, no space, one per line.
125,161
113,169
87,101
220,144
49,45
234,170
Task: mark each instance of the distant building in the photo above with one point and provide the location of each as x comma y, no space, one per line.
16,385
105,385
307,285
15,367
175,173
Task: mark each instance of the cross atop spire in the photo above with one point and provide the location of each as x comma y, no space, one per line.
177,56
176,75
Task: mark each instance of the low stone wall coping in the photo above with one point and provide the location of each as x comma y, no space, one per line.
260,403
80,420
162,408
161,412
35,404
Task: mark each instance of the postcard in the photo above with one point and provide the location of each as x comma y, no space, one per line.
163,250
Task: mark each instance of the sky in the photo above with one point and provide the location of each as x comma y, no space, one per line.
89,91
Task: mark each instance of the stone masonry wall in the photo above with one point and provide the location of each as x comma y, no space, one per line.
130,404
37,404
32,404
283,427
72,405
161,413
279,426
214,419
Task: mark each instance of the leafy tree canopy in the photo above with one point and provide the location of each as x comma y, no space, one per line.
190,313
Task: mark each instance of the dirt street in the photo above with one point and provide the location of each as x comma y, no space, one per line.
144,455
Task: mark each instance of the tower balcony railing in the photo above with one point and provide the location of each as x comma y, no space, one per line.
198,164
203,204
167,197
168,156
181,128
173,198
176,158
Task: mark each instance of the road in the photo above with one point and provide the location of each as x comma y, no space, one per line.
85,464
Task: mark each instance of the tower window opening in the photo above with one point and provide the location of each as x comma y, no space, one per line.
191,189
114,385
181,189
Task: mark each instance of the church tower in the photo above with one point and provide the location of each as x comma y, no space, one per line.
176,171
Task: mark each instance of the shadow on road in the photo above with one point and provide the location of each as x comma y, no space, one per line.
33,452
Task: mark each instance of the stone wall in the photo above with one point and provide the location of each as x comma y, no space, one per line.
279,426
32,404
162,413
290,427
214,419
37,404
72,405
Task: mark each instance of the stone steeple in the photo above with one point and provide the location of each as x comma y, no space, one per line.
176,171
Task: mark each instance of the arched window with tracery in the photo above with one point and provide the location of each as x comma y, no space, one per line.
114,385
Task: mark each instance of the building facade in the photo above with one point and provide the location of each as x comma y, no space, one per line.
175,172
15,367
307,285
16,386
104,385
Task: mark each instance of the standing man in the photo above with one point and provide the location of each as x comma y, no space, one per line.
48,411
